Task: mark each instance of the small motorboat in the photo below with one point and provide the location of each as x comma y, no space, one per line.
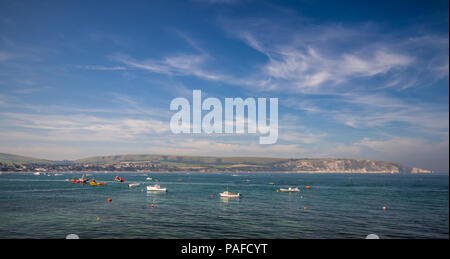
80,180
156,188
148,178
227,194
37,173
290,189
119,179
131,185
95,183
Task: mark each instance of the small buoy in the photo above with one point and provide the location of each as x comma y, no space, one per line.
301,197
308,187
98,218
153,205
384,208
109,200
212,196
278,190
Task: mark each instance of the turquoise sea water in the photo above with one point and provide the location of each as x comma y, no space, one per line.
336,206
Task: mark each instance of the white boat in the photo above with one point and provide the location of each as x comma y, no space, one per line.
156,188
148,178
290,189
37,173
131,185
227,194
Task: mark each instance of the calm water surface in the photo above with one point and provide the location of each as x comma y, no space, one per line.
336,206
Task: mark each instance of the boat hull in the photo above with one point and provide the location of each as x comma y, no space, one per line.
96,184
153,189
289,190
230,195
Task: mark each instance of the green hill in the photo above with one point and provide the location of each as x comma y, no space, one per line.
191,160
213,164
16,159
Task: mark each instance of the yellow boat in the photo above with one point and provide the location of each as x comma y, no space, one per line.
94,183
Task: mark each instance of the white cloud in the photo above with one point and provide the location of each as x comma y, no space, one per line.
306,58
103,68
380,63
302,68
182,64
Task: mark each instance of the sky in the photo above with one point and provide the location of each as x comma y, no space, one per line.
354,79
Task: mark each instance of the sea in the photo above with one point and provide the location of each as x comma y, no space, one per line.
335,206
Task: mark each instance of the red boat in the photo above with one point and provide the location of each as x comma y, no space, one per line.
80,180
118,179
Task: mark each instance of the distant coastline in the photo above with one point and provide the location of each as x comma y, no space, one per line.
203,164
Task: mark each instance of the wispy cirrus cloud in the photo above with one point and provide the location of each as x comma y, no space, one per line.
103,68
310,58
181,65
79,127
376,111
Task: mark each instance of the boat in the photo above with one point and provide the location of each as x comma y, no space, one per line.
119,179
95,183
80,180
156,188
227,194
37,173
131,185
148,178
290,189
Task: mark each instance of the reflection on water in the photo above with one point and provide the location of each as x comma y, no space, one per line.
228,199
155,193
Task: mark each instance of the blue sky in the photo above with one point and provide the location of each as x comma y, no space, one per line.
357,79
